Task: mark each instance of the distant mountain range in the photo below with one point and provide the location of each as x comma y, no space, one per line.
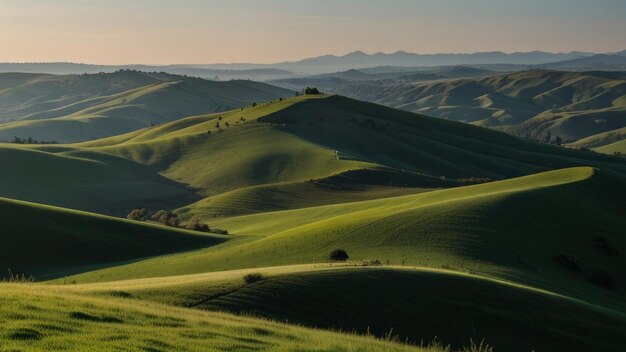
334,63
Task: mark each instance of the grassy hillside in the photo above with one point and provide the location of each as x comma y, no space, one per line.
36,318
613,148
418,304
46,241
86,180
571,105
84,107
311,147
479,234
601,139
331,134
529,224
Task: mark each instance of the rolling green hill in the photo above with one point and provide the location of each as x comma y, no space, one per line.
416,303
45,241
601,139
340,134
480,234
42,318
571,105
329,142
613,148
86,180
84,107
529,224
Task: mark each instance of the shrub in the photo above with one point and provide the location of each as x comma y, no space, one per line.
603,279
196,225
219,232
166,218
253,277
370,262
338,255
567,260
138,214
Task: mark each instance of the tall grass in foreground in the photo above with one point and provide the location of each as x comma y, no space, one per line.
44,318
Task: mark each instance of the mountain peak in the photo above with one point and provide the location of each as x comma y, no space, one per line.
357,53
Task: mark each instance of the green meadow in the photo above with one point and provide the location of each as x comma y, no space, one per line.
455,233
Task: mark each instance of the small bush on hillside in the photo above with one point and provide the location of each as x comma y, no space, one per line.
166,218
338,255
603,279
196,225
253,277
567,260
138,214
219,232
606,245
370,262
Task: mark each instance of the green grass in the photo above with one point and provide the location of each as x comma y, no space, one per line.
295,179
613,148
48,242
178,163
36,318
571,105
417,304
76,108
86,180
529,221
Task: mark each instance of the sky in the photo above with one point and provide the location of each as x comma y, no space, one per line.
267,31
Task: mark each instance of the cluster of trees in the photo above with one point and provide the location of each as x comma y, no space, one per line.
474,180
311,91
557,139
29,140
308,91
171,219
163,217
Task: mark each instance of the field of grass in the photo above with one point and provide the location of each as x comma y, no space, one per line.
613,148
418,304
37,318
50,242
74,108
530,104
437,229
474,229
86,180
303,139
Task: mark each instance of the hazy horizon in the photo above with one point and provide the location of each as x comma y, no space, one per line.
161,32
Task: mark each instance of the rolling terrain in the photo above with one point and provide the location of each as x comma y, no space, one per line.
45,241
453,231
378,299
313,147
535,104
74,108
42,318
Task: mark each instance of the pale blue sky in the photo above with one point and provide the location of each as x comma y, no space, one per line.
209,31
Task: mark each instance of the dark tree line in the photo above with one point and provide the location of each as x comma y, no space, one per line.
29,140
171,219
